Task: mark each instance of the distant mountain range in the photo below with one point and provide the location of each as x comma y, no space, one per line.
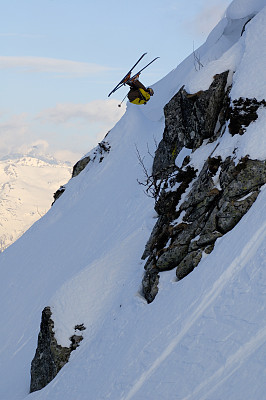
27,184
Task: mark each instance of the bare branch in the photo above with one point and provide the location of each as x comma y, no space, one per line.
152,188
197,63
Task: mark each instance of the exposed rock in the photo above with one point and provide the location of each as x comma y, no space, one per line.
209,213
80,165
58,193
160,227
232,211
242,113
75,341
215,198
168,200
150,283
188,121
188,264
172,257
100,151
80,327
50,357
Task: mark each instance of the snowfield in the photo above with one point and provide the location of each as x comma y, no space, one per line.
203,338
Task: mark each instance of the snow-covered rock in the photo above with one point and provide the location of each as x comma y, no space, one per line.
215,196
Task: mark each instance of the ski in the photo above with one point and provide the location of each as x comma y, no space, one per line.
126,77
138,73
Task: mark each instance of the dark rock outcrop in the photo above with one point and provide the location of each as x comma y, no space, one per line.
50,357
195,208
80,165
58,193
150,283
242,112
189,119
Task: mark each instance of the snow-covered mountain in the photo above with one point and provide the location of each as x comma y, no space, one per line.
27,184
79,269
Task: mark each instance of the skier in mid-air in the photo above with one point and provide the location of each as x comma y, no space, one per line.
138,93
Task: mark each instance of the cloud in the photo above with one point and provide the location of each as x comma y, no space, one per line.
103,112
38,147
13,132
51,65
71,156
18,137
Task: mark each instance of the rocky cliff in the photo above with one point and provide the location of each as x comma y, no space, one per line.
196,207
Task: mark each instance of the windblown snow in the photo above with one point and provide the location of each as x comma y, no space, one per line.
203,337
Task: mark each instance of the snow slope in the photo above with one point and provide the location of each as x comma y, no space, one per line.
27,184
203,337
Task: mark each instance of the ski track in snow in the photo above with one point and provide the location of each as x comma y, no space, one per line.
232,364
244,351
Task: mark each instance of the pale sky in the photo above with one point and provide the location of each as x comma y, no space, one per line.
59,59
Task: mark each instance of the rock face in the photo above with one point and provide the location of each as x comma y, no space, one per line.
242,113
215,198
80,165
189,119
50,357
58,193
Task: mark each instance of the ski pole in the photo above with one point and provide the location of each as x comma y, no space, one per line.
119,105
